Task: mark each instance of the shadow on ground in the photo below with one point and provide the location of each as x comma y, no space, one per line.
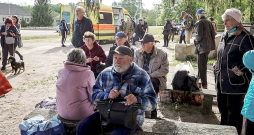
187,113
58,49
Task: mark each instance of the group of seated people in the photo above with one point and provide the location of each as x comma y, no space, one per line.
79,85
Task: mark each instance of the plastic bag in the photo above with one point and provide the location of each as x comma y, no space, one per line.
185,66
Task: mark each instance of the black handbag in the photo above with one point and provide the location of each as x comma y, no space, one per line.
115,112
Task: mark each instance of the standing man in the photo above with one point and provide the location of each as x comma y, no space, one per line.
155,62
121,26
187,25
81,25
133,23
145,26
138,31
128,29
64,29
204,42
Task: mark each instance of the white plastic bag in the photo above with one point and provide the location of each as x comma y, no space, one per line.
185,66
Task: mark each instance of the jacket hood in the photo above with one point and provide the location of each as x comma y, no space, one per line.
75,66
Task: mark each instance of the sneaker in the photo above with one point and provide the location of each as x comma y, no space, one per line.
63,46
3,68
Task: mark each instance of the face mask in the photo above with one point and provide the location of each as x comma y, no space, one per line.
233,30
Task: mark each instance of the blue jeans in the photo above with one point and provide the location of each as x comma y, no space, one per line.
92,126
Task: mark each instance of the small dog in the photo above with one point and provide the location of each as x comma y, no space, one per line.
16,65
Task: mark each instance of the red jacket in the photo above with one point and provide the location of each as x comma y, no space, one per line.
96,51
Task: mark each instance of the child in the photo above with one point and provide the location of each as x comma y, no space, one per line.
248,108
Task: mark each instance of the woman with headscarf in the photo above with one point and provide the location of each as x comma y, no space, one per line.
248,107
232,77
15,21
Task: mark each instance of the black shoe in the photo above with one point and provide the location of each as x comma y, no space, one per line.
154,114
3,68
2,96
63,46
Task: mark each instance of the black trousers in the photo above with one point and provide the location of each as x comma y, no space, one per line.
166,40
64,34
202,68
249,127
156,84
7,48
182,38
230,107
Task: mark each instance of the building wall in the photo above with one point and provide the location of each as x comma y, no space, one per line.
2,18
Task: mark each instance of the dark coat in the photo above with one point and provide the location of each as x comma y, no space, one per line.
134,24
65,27
121,26
138,29
167,28
12,29
80,27
204,36
109,61
229,54
95,51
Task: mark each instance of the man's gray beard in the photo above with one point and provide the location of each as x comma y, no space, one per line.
121,69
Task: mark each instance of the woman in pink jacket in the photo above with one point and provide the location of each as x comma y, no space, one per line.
74,87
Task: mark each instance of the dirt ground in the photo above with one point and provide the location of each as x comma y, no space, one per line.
43,58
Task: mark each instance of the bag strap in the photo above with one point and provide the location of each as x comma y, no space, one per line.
128,78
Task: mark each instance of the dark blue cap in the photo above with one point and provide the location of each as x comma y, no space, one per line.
201,11
120,35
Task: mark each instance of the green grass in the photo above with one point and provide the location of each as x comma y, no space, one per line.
210,62
155,30
39,37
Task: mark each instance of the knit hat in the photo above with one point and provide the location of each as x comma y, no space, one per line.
248,60
233,14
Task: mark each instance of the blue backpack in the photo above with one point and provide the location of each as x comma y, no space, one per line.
61,26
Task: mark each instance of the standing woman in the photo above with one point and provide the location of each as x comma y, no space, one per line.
15,21
8,30
166,32
94,52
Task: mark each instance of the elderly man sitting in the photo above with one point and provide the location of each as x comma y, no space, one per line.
155,62
106,86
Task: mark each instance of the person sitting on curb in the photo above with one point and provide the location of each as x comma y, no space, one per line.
120,40
74,87
106,86
155,62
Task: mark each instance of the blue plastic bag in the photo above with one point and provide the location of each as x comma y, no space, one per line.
39,126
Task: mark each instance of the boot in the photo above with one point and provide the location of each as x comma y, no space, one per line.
154,114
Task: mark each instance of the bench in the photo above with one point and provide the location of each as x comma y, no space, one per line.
165,96
160,126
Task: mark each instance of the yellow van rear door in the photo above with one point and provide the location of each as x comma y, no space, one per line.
66,12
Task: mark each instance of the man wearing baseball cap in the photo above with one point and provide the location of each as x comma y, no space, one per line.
120,40
135,79
188,25
155,62
204,42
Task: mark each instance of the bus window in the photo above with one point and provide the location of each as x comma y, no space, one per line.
67,16
105,18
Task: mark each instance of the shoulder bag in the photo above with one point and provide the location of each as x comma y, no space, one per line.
9,40
115,112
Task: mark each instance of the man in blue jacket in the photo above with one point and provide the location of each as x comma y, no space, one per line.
64,30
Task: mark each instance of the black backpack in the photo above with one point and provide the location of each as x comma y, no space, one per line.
185,82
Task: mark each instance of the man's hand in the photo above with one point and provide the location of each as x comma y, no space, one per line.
96,58
89,60
214,63
130,99
237,71
114,93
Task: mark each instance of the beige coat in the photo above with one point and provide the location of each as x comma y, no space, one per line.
158,65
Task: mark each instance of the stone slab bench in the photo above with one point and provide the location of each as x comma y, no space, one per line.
207,101
160,126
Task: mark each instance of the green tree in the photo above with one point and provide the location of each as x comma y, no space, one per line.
23,23
27,8
41,14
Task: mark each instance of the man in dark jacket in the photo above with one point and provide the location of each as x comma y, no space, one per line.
133,23
82,25
138,32
204,42
232,77
121,26
120,40
64,29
